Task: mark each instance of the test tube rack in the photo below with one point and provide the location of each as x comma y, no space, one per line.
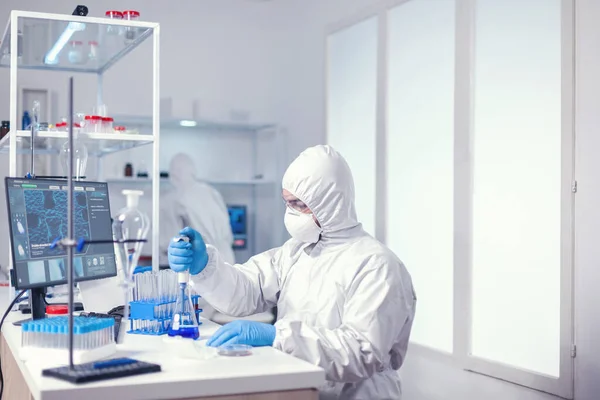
47,339
154,317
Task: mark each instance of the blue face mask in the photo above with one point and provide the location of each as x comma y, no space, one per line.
301,227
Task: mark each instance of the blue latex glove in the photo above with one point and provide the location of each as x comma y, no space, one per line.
188,256
244,332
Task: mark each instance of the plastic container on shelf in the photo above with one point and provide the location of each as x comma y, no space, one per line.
61,126
112,29
93,53
64,127
55,310
107,125
100,110
93,124
79,119
130,32
119,129
76,52
131,15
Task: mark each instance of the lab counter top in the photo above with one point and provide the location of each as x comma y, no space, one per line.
199,374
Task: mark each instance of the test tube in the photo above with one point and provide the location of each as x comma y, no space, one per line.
62,336
89,339
55,344
24,336
109,332
44,334
94,334
85,335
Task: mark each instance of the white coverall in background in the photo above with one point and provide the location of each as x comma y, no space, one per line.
345,303
195,204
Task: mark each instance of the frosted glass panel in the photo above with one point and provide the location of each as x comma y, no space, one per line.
517,171
420,159
351,108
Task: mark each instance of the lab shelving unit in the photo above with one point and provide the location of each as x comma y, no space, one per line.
255,131
38,41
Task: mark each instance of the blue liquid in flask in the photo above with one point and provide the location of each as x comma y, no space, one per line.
184,322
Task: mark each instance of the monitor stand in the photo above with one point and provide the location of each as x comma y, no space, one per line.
37,299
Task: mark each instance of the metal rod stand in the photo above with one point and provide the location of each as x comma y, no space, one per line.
70,223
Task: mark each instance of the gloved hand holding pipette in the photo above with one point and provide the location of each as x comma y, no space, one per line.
184,322
188,256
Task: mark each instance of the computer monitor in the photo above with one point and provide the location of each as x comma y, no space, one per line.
37,210
238,222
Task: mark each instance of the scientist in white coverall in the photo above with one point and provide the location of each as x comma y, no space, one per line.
345,302
194,203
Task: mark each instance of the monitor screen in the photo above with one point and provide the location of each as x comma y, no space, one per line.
237,219
38,215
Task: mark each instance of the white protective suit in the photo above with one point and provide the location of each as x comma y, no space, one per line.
195,204
345,303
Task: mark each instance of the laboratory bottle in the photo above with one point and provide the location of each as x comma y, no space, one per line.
4,129
26,121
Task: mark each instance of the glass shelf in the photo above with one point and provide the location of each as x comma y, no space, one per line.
45,35
216,182
192,124
98,144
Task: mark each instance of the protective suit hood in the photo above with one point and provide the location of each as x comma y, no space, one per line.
182,171
322,179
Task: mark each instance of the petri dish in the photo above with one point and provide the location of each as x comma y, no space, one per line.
235,350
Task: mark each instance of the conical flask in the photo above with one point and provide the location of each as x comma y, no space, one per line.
80,157
130,224
185,323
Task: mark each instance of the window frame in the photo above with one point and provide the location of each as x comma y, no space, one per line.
461,356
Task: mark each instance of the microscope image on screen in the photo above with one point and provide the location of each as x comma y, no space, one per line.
38,217
78,266
37,271
47,219
57,269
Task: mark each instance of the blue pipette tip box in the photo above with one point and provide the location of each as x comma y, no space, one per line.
102,370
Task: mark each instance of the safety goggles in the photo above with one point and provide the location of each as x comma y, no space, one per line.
296,205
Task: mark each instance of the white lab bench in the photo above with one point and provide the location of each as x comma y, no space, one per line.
267,374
